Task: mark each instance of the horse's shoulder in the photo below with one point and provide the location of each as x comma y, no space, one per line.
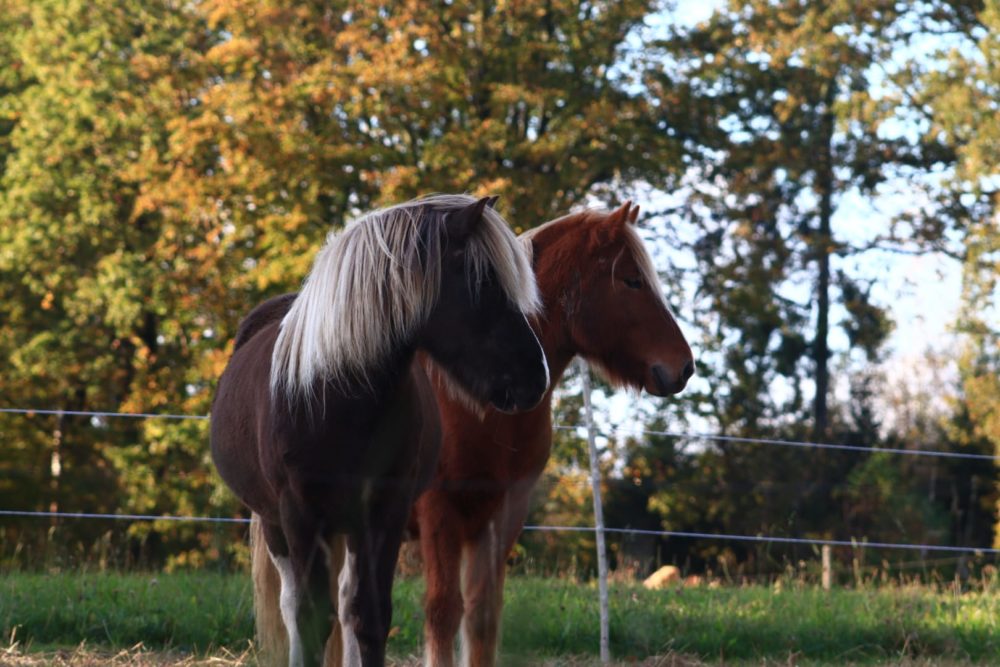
265,313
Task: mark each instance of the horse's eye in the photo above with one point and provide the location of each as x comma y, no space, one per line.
633,283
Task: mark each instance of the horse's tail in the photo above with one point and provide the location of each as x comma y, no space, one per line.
272,639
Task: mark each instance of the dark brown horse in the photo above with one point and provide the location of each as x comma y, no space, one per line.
602,300
325,427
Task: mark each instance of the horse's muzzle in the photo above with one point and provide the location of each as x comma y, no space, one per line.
518,397
666,383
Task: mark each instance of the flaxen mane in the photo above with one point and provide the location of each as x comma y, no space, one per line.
375,282
588,218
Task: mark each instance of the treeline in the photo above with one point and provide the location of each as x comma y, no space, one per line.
164,166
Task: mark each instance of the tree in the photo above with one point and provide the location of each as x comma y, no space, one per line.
789,114
965,100
166,167
788,109
315,113
84,295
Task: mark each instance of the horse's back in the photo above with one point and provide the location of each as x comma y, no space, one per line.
263,314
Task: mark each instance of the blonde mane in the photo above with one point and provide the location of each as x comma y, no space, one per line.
632,241
374,283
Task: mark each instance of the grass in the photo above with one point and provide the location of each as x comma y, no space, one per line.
545,619
194,612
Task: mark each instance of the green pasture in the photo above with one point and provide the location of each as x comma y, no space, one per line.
204,613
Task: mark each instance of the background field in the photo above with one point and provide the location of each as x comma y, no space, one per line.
546,619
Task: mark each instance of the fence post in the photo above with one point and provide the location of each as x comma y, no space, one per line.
827,567
55,466
595,483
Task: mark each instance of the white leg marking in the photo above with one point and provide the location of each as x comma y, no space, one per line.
464,650
348,588
463,639
289,603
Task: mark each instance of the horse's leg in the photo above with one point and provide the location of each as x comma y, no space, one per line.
336,545
289,597
289,602
484,568
347,591
441,550
272,638
371,563
308,608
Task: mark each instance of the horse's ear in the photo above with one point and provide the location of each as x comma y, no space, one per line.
463,222
615,222
633,215
491,202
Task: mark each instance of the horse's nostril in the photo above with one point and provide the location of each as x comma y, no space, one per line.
667,382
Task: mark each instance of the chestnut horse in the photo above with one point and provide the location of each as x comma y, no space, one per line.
325,427
602,300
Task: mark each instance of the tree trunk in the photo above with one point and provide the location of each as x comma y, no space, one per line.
822,247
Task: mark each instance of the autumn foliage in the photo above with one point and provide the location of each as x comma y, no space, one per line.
164,166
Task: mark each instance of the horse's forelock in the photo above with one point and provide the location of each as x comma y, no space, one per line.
493,245
498,247
643,260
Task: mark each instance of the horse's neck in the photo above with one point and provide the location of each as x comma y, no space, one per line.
384,380
553,328
559,353
559,285
365,403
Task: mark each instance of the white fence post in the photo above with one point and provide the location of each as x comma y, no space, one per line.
595,483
